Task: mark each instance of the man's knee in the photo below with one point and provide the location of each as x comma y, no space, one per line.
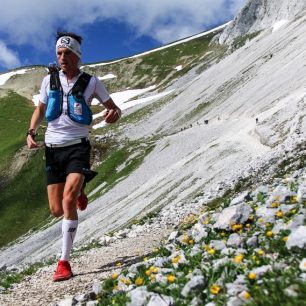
70,198
56,211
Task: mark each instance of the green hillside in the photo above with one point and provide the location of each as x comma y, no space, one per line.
23,201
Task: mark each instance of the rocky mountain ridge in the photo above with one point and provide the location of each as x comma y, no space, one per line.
258,15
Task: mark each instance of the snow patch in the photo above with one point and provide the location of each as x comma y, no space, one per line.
6,76
278,24
107,76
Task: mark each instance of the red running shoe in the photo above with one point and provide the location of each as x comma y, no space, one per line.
63,271
82,200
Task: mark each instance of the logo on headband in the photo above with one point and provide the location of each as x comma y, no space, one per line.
65,40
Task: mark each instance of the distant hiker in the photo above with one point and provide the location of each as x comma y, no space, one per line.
256,120
206,121
65,98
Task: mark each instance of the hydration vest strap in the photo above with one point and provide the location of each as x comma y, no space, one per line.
81,84
78,88
55,83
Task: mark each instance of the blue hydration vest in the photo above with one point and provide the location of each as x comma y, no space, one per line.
77,108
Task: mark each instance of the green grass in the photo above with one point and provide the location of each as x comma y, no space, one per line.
23,200
15,114
7,279
241,40
23,203
271,291
158,67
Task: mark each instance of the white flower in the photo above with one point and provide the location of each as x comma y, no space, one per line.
303,264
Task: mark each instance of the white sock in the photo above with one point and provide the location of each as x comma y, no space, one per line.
69,228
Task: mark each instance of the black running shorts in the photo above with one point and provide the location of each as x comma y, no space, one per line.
72,159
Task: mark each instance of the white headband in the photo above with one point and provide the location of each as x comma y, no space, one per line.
70,43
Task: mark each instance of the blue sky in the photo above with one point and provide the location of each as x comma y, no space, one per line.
111,28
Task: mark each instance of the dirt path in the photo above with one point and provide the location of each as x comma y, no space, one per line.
95,264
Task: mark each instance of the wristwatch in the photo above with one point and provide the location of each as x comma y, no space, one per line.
32,133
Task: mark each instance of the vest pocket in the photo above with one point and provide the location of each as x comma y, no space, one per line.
54,106
78,110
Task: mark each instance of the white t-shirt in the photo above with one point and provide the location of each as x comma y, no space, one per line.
63,129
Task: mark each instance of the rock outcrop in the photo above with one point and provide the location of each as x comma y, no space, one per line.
257,15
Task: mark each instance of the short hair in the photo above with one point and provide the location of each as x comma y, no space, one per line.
60,34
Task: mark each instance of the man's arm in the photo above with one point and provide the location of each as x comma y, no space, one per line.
113,112
36,119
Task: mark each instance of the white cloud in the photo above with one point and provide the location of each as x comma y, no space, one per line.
34,22
8,58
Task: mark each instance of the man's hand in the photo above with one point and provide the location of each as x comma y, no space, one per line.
31,139
112,115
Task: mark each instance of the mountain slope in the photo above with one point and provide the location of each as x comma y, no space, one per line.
223,125
264,79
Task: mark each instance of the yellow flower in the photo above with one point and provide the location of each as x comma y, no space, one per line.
260,252
176,259
247,295
236,227
269,234
206,247
170,278
260,220
248,225
154,269
211,251
145,259
285,239
279,214
139,281
118,264
251,217
252,275
115,287
185,239
276,197
275,204
294,199
238,258
191,241
152,278
215,289
127,281
222,234
115,275
148,272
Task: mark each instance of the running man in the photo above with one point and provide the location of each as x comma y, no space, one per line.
67,148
